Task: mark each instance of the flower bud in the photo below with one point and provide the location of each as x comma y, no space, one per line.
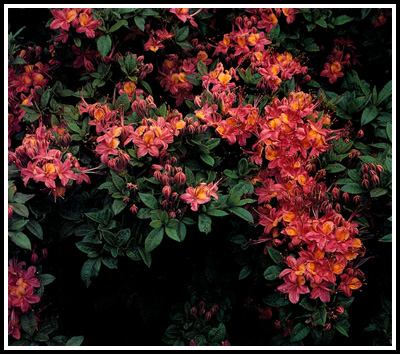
375,179
226,343
165,179
365,184
338,208
364,168
327,327
44,253
131,186
208,316
356,199
174,197
157,175
64,140
166,191
346,197
172,214
157,167
133,209
197,101
192,343
168,168
126,200
202,304
339,310
360,134
214,309
34,258
277,324
10,211
371,166
180,178
365,176
379,168
202,311
174,160
276,242
193,311
328,208
336,193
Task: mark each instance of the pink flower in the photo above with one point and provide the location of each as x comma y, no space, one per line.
294,289
62,18
196,196
183,15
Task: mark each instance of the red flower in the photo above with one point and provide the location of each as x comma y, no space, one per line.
294,289
62,18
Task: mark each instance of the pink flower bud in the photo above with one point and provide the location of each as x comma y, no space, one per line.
214,309
366,176
202,304
193,311
346,197
174,197
277,324
339,310
226,343
371,166
379,168
208,316
157,167
44,253
172,214
10,211
276,242
133,209
165,179
365,168
360,134
365,184
34,258
338,208
336,193
328,208
126,200
157,175
192,343
375,179
197,101
356,199
327,327
174,160
168,168
180,178
166,191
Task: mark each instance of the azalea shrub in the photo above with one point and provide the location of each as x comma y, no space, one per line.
199,177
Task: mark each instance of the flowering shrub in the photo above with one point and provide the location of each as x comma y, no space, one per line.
207,154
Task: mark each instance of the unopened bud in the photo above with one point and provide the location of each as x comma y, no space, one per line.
214,309
338,208
10,211
226,343
346,197
180,178
44,253
339,310
364,168
276,242
192,343
379,168
356,199
166,191
193,311
277,324
202,304
365,176
371,166
375,179
157,175
327,327
168,168
133,209
360,134
197,101
174,160
34,258
336,193
365,184
208,316
165,179
174,197
126,200
172,214
328,208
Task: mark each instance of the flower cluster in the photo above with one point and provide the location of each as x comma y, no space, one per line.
342,56
81,19
21,284
37,160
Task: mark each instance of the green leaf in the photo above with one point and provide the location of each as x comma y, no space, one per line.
20,239
123,236
22,198
17,225
308,304
202,68
341,20
145,256
28,322
118,25
104,44
186,46
299,332
377,192
386,238
216,212
389,131
147,87
181,34
75,341
44,100
20,209
46,279
90,270
344,181
117,206
123,101
153,239
272,272
276,300
319,316
207,159
275,255
384,93
110,262
342,327
173,230
369,114
352,188
321,22
140,22
217,334
312,47
41,337
365,12
149,200
334,168
242,213
204,223
245,272
118,181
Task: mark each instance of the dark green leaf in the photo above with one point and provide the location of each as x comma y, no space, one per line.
104,44
299,332
75,341
118,25
352,188
341,20
319,316
117,206
145,256
386,238
140,22
276,300
308,304
28,322
153,239
90,270
242,213
275,255
110,262
217,334
369,114
384,93
34,227
149,200
181,34
272,272
204,223
20,239
147,87
207,159
46,279
20,209
377,192
342,327
334,168
216,212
